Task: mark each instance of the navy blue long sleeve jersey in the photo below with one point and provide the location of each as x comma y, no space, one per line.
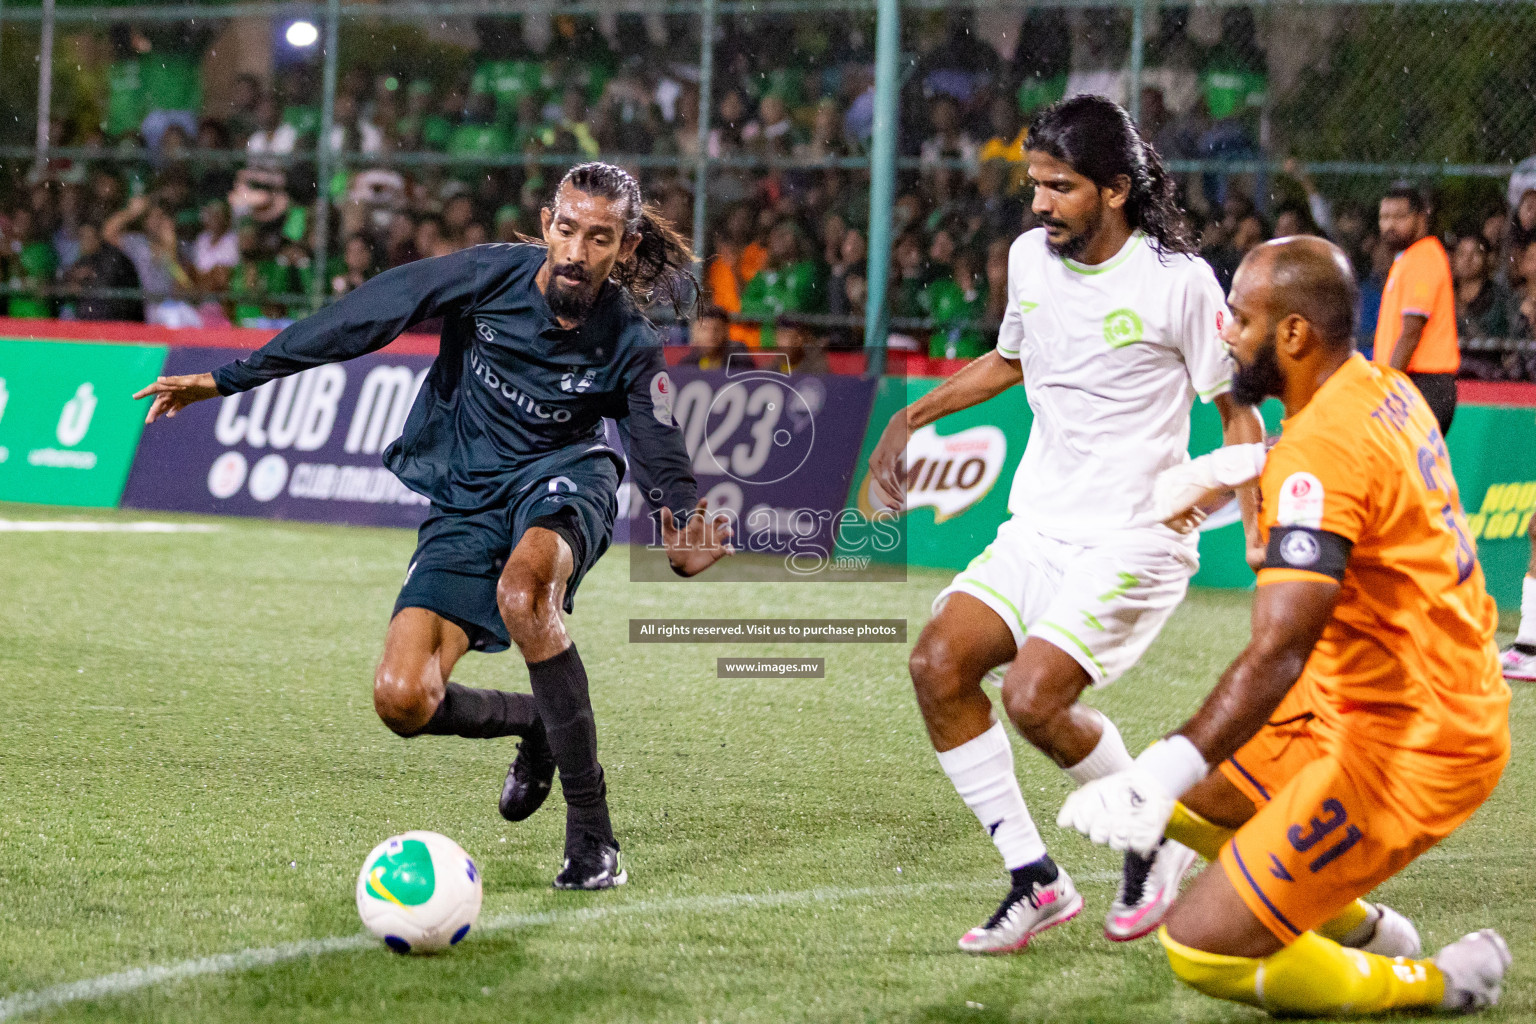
509,384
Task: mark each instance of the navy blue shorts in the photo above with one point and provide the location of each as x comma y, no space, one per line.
459,556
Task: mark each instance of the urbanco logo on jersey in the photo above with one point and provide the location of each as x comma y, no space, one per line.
519,399
948,473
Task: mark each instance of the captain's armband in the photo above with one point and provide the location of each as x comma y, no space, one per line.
1308,550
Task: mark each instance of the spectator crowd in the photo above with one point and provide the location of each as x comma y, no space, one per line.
213,240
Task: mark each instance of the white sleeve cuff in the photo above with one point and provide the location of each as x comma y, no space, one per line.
1175,762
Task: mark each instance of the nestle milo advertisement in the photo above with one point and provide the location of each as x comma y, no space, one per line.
961,468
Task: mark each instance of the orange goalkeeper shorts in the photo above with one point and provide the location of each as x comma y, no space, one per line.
1338,814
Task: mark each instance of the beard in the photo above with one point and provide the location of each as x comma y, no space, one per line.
1076,242
570,302
1258,380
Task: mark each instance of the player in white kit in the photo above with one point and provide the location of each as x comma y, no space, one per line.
1113,326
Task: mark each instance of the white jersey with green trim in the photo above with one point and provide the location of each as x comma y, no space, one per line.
1113,357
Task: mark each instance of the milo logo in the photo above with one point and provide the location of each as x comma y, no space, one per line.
948,473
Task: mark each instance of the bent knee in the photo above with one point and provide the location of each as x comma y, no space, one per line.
403,700
1031,705
937,674
525,600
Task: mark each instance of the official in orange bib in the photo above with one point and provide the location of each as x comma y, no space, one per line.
1367,718
1416,329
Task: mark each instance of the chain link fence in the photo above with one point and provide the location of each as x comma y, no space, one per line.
1287,114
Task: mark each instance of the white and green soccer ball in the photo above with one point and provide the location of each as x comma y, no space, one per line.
419,892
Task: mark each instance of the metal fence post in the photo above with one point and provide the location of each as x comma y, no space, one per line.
44,86
882,179
701,162
1138,56
318,284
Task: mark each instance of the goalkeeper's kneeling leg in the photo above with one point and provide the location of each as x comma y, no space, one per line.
1313,976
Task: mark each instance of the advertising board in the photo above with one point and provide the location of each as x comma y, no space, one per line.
304,447
68,421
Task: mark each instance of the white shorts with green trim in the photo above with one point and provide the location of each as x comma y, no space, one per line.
1103,605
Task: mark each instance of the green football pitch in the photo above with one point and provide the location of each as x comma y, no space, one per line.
191,773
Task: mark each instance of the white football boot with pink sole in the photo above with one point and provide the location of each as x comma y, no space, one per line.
1025,914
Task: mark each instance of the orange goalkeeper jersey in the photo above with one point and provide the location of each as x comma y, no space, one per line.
1359,489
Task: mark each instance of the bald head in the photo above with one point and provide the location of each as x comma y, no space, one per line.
1306,277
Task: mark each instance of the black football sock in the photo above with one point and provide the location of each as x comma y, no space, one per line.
482,714
565,706
1041,872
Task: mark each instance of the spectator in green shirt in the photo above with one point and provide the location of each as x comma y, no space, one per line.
952,301
411,124
437,129
527,126
1041,59
256,276
170,74
789,282
125,85
478,136
29,262
507,82
1233,79
1233,85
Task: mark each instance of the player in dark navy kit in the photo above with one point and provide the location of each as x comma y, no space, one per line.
539,345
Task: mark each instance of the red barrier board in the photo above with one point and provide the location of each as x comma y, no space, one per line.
128,333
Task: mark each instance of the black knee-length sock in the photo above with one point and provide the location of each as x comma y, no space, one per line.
482,714
565,707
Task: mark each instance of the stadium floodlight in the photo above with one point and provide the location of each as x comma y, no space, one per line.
302,34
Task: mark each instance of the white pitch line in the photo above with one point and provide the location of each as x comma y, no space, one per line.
136,978
88,526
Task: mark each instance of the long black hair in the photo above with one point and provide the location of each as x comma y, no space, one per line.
1097,139
661,268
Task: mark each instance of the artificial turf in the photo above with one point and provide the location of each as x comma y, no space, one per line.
190,766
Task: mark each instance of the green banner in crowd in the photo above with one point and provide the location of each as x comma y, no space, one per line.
68,421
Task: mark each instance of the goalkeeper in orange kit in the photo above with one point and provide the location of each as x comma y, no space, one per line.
1367,717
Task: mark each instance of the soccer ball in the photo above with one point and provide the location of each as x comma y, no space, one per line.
419,892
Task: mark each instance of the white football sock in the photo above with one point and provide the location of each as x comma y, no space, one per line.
1527,634
1108,757
982,771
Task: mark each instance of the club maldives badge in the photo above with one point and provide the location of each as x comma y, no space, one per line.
948,473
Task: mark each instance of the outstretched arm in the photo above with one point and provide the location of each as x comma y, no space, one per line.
977,381
365,321
659,464
1241,424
